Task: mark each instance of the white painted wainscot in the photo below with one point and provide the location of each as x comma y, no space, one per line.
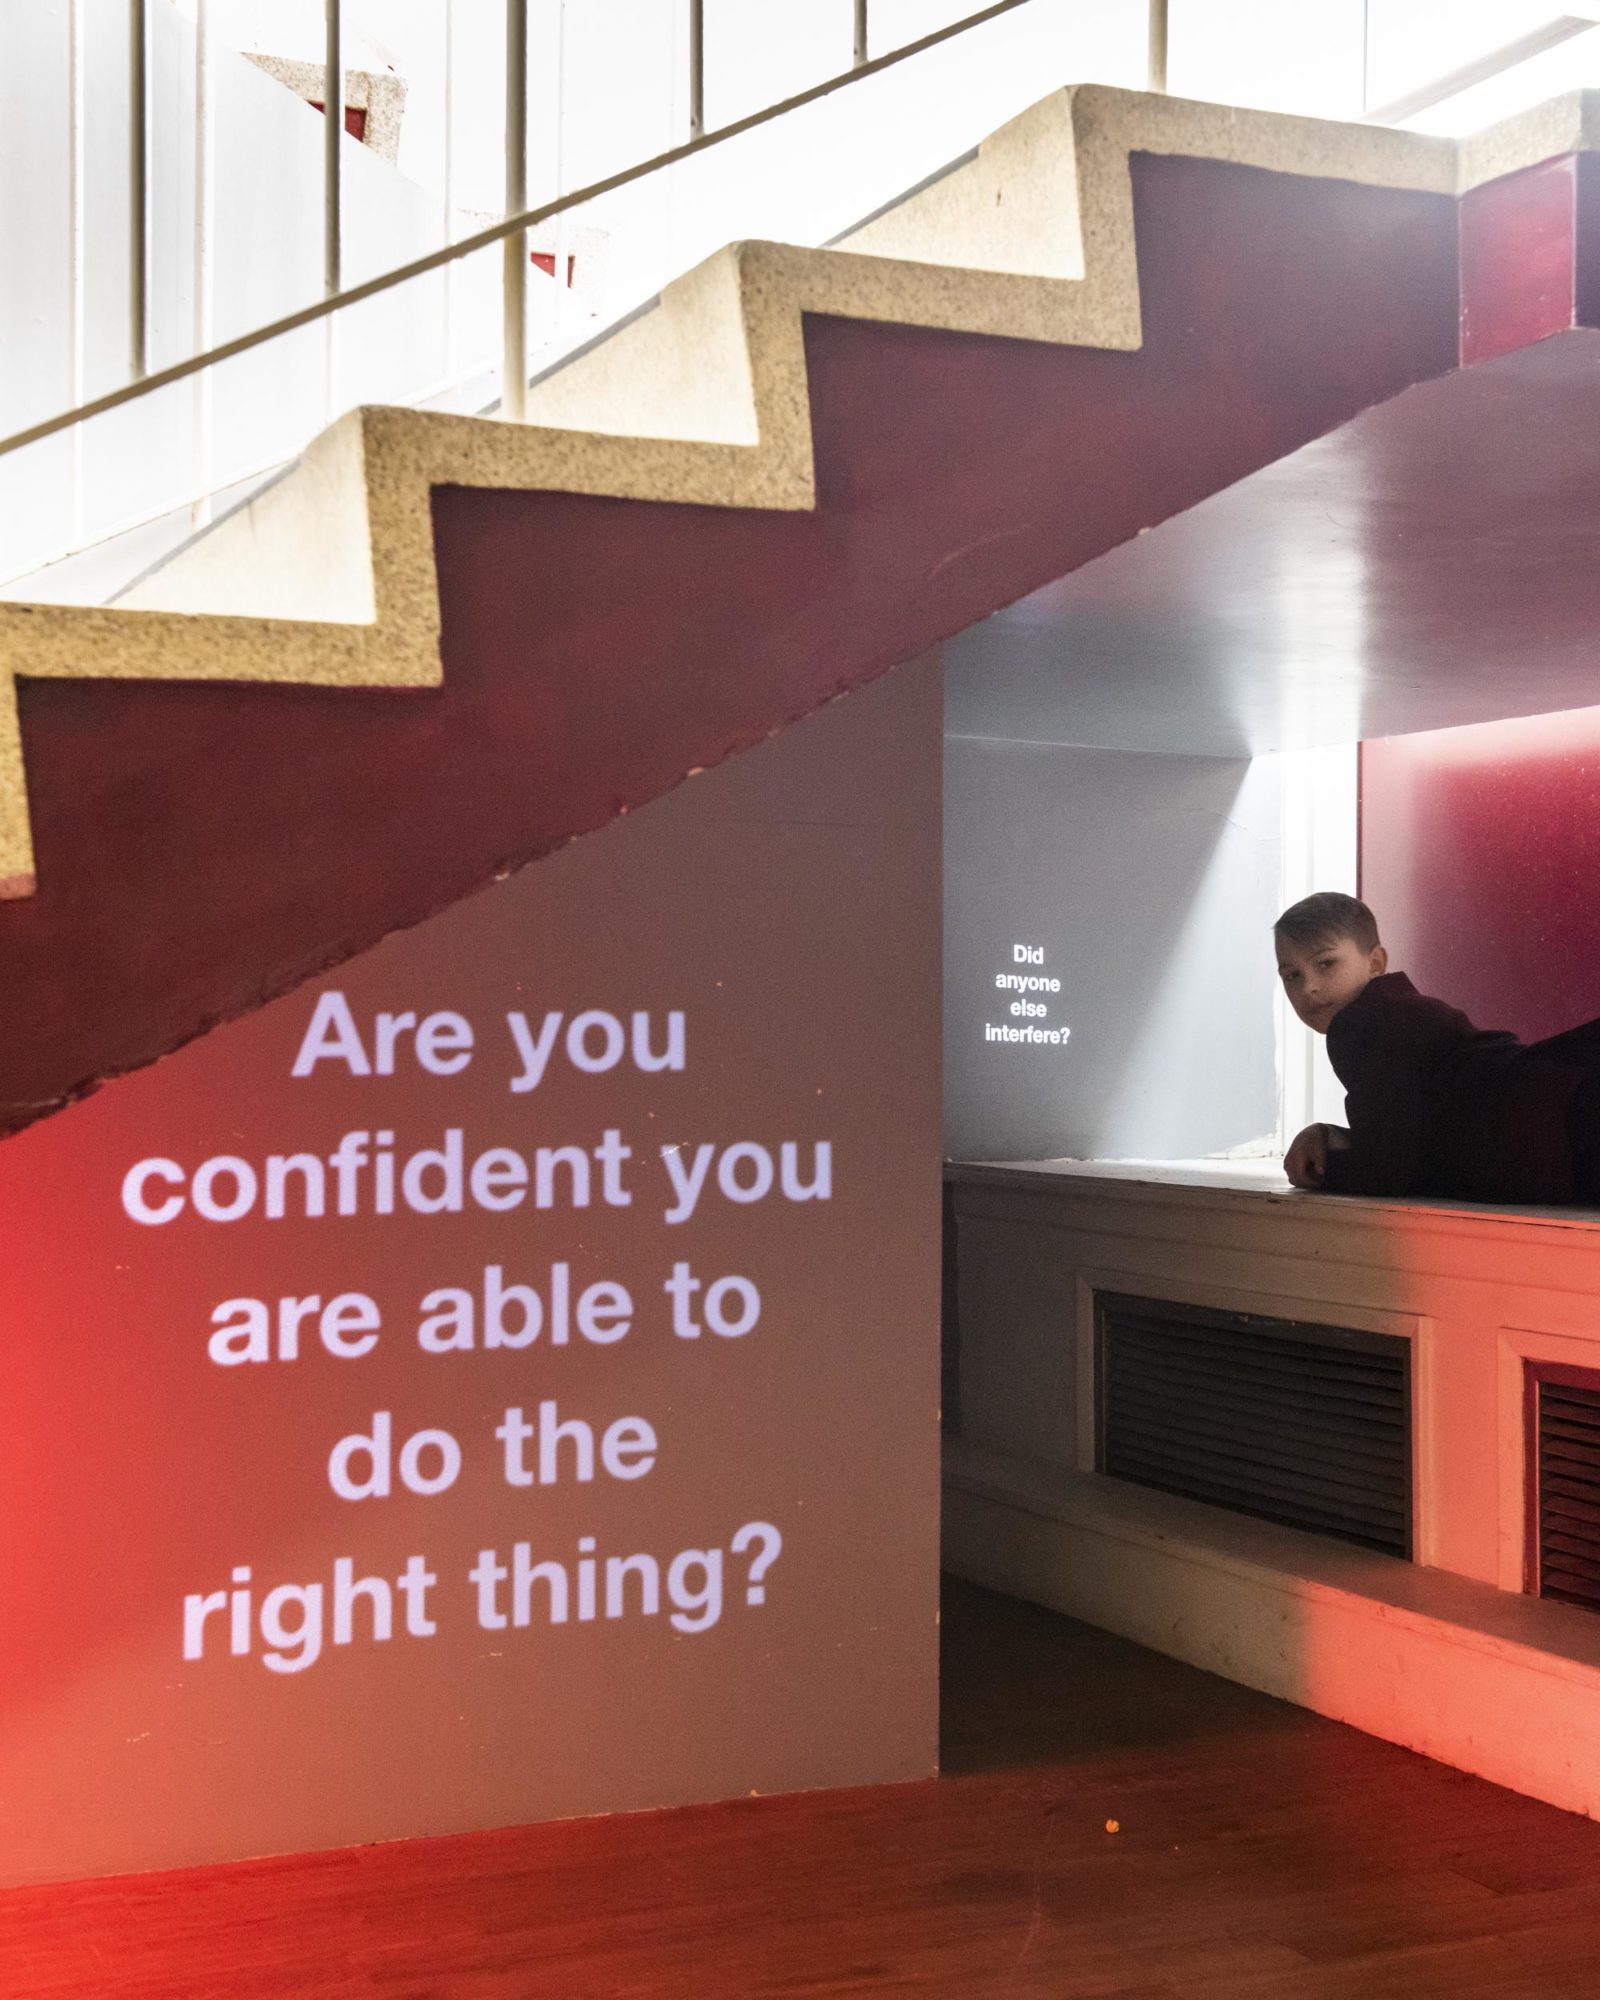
1446,1654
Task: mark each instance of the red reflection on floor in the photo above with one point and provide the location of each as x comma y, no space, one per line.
1260,1854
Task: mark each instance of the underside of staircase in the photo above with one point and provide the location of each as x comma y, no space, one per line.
441,647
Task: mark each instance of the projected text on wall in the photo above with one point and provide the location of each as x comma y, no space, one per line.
287,1625
488,1383
1029,992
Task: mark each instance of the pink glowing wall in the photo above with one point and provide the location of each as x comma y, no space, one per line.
1480,852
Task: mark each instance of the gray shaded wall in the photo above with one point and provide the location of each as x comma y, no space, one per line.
1149,884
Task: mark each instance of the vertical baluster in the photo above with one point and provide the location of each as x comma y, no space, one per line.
447,232
860,56
514,361
138,191
560,293
332,194
76,265
1158,45
1366,57
203,466
332,154
697,68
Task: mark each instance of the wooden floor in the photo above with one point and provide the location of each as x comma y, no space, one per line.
1262,1855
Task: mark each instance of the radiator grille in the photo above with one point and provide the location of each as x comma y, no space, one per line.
1306,1425
1567,1477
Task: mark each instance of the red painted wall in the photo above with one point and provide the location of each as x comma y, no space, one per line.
1519,266
202,848
1480,853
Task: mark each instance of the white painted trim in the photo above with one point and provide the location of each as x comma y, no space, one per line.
1446,1653
1067,1192
1419,1657
1425,1482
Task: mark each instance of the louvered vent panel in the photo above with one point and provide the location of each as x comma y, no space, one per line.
1306,1425
1568,1479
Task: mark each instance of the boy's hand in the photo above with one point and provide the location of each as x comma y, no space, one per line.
1306,1162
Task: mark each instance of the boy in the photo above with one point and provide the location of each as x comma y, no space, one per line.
1436,1106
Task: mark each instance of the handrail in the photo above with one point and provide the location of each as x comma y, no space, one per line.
509,227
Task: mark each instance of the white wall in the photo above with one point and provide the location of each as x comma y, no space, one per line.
607,88
1149,883
1340,58
1320,793
1272,56
266,252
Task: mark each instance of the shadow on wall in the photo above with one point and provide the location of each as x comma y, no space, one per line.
1145,885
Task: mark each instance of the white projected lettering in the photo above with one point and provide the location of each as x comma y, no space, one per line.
1029,990
534,1303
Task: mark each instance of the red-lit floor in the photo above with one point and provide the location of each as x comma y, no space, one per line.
1263,1855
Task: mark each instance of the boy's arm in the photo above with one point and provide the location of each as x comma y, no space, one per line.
1306,1162
1387,1138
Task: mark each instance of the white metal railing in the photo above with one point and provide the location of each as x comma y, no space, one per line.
510,231
125,251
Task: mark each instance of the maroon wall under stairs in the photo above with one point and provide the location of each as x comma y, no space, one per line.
201,848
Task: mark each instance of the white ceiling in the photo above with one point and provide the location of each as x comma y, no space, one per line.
1436,561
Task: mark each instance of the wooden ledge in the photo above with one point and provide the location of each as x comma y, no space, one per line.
1245,1185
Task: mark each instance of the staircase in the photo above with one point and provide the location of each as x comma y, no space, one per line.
441,646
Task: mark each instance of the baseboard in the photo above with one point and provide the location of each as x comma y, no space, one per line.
1493,1682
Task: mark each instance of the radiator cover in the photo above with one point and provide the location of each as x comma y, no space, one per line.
1286,1420
1564,1483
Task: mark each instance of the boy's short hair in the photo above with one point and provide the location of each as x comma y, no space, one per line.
1321,918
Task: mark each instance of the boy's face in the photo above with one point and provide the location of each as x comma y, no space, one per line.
1322,979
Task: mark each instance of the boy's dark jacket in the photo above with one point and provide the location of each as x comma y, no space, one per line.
1437,1106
